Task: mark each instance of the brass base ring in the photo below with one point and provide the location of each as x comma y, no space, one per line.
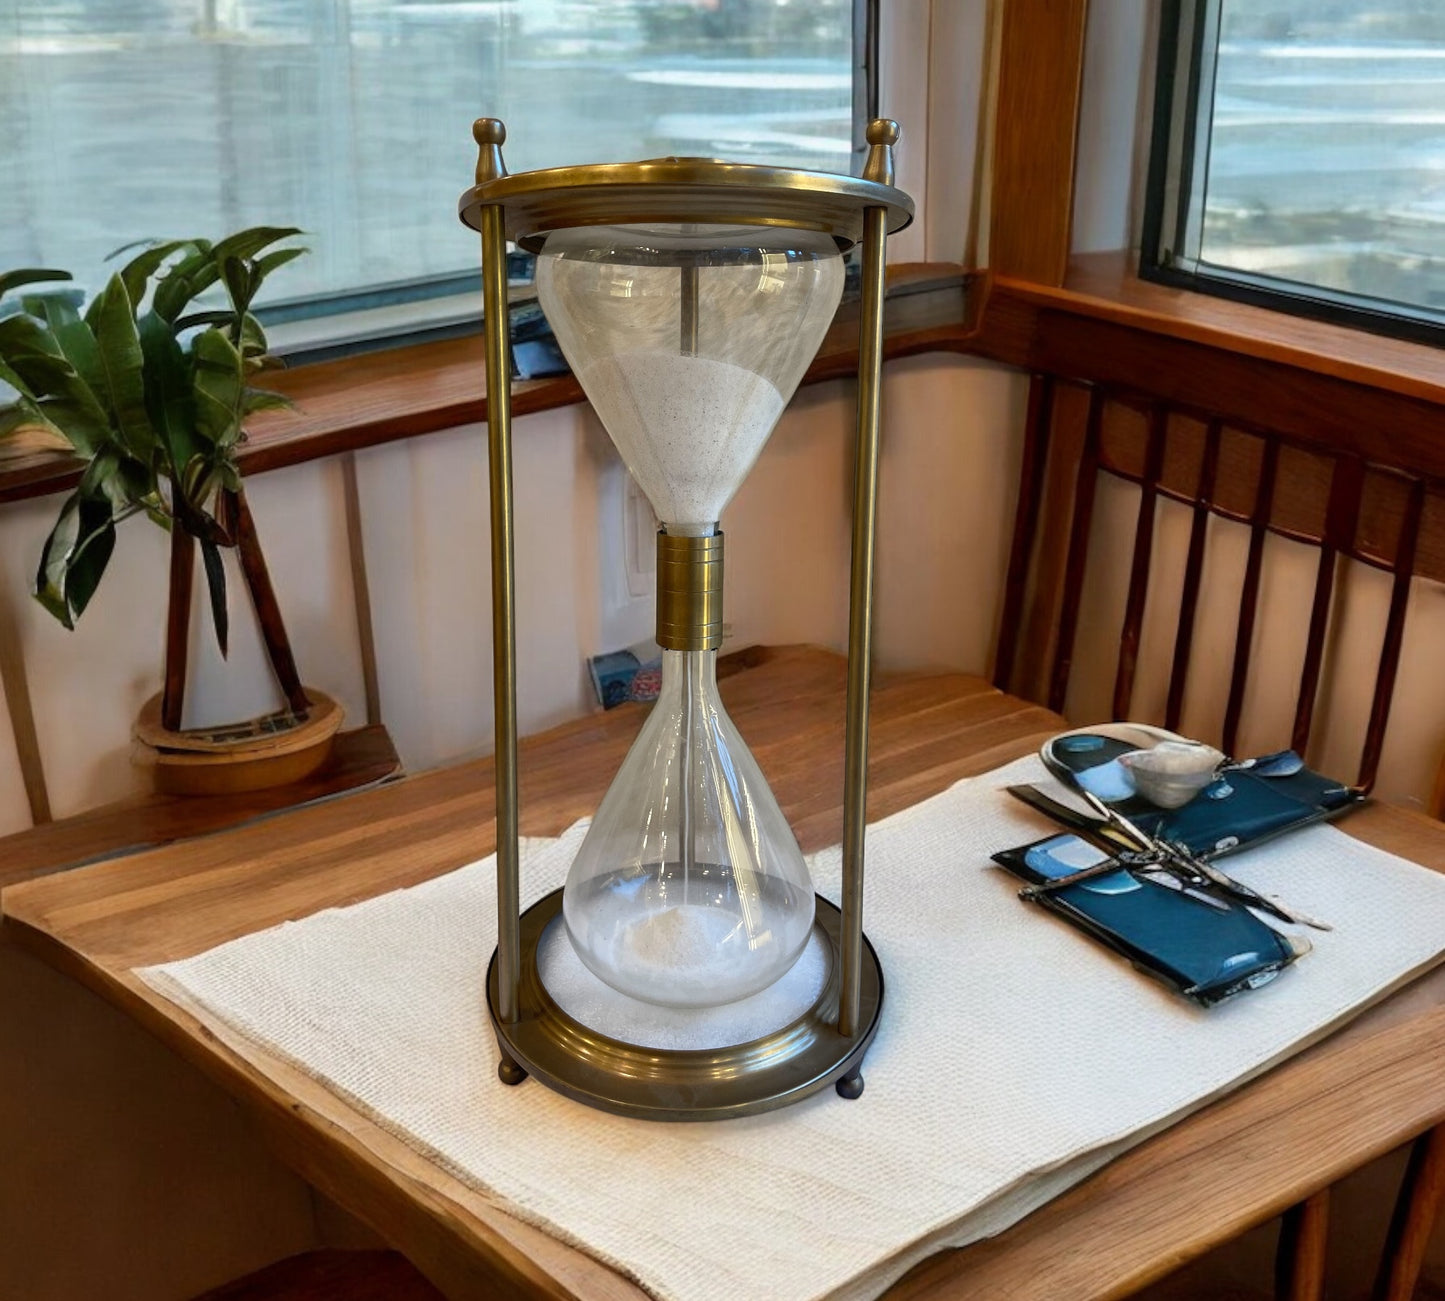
672,1084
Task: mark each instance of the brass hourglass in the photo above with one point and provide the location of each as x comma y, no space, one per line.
687,970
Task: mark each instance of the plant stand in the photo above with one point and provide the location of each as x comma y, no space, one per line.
283,747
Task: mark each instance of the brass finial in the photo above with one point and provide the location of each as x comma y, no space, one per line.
882,135
490,133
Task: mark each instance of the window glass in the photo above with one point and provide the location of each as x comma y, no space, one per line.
1327,148
127,119
1306,152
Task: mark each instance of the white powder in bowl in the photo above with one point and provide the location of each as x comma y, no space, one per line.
689,428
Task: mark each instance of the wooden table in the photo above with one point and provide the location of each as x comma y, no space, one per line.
1241,1161
362,757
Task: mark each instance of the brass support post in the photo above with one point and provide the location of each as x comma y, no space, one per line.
881,136
860,614
490,134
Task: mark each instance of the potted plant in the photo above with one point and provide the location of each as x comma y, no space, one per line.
151,391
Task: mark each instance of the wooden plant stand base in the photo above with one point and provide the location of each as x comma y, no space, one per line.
271,751
281,748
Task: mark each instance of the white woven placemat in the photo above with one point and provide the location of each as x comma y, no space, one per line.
1015,1055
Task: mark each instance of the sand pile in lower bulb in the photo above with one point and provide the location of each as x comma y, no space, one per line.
689,428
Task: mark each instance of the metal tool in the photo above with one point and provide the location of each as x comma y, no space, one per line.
1111,830
1200,868
1123,857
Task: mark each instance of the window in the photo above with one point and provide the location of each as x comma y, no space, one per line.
1298,158
127,119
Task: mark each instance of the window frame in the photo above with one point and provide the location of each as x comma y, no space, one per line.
435,308
1173,196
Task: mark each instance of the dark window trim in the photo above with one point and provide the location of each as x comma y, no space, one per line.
1178,98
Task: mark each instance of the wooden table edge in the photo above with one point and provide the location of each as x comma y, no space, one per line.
350,1134
368,1152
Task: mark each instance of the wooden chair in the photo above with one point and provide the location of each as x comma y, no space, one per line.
1347,507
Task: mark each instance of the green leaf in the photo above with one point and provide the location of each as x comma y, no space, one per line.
76,423
137,272
74,557
29,349
238,283
248,243
80,348
10,377
120,479
92,553
136,482
169,400
253,337
13,417
56,366
103,465
148,242
269,263
50,577
263,399
24,335
219,387
121,364
216,585
157,515
204,318
28,276
189,277
56,309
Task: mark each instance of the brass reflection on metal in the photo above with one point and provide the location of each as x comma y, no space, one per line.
683,189
689,592
674,1084
860,612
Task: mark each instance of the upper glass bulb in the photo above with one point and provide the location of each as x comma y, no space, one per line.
689,340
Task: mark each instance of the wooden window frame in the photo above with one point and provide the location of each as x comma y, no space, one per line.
1092,318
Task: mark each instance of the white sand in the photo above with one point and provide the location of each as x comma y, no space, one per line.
584,996
689,428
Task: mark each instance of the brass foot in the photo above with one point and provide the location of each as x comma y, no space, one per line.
509,1072
850,1086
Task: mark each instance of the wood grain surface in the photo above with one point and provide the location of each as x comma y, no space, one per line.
1348,402
1040,74
359,758
1360,1093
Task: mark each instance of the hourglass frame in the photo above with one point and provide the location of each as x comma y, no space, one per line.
537,1037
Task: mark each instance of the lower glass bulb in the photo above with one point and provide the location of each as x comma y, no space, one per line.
689,889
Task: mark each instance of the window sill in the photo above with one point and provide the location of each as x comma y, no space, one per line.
1314,382
366,400
1104,286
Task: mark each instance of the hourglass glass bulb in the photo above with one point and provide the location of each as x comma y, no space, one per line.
689,889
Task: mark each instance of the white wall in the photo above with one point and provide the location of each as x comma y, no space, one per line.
1115,104
946,475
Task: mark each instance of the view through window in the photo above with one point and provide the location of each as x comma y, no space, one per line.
128,119
1319,149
